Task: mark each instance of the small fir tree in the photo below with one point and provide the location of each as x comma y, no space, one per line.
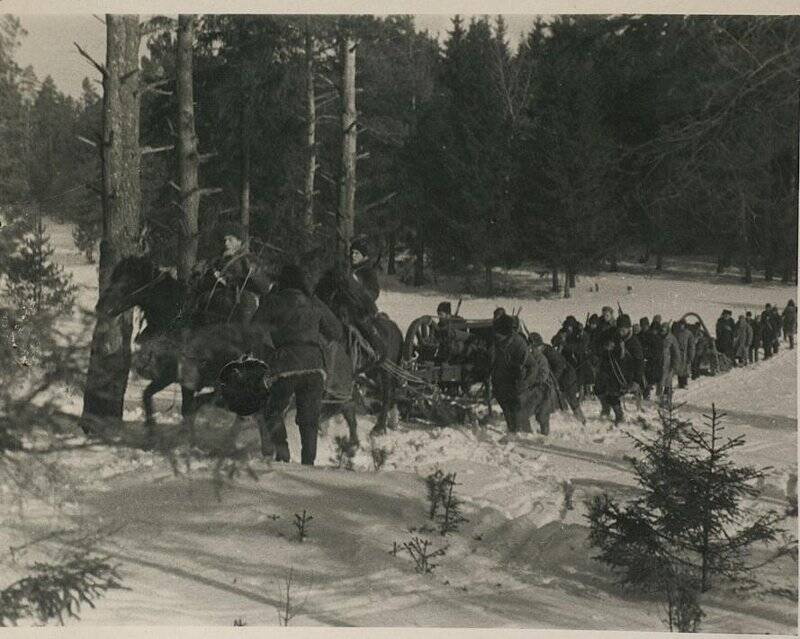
35,284
450,517
689,526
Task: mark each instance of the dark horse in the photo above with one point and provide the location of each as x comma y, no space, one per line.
169,311
353,302
216,348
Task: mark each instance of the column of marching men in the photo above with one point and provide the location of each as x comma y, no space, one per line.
610,357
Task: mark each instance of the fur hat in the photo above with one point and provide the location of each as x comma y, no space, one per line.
361,244
504,325
445,307
231,227
498,312
624,321
535,339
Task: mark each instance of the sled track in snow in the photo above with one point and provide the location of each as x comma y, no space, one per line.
612,463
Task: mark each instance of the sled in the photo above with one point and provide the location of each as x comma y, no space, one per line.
708,360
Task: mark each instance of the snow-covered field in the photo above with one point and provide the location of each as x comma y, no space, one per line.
191,555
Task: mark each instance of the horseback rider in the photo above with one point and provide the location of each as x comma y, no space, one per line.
352,298
364,266
236,279
299,325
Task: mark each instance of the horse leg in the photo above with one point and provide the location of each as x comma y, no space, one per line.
394,418
188,411
191,403
155,386
349,414
380,425
271,424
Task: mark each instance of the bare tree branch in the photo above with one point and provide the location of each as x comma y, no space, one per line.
147,150
93,62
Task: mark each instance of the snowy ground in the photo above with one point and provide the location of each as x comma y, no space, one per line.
191,555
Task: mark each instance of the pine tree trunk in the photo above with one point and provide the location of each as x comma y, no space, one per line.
109,363
556,286
768,271
391,266
720,263
347,169
419,258
786,273
659,261
311,143
571,277
613,266
745,230
188,159
488,278
244,159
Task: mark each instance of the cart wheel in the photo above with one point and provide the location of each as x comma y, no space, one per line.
418,336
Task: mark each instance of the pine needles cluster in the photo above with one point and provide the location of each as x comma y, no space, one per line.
35,283
301,523
421,552
445,506
689,527
56,591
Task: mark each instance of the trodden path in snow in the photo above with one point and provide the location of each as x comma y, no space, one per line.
191,556
522,560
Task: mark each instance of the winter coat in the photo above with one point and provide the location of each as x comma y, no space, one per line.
742,339
562,371
653,346
605,330
790,320
515,370
777,324
611,381
672,357
299,326
724,334
755,327
634,360
577,351
367,276
685,341
767,328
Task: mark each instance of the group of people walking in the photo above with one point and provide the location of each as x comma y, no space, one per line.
610,357
742,340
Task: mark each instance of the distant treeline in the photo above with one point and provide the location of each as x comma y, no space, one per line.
599,137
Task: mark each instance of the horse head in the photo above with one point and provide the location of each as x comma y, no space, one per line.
129,285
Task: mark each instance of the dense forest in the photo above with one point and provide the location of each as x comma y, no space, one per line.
597,138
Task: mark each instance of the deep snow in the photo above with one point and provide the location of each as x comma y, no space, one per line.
193,556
